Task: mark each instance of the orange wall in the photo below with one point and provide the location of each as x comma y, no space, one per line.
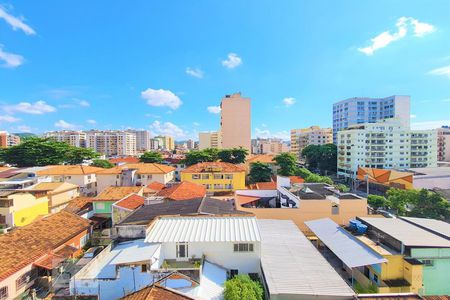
75,242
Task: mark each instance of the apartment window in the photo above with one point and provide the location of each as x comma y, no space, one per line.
144,268
139,176
207,186
205,176
228,186
195,176
243,247
375,278
428,262
26,278
335,209
218,176
149,176
233,272
228,176
4,293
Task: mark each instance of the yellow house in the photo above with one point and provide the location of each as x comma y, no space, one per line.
216,176
59,194
20,208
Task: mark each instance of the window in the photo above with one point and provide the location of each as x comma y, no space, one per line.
100,205
205,176
375,278
195,176
428,262
149,176
4,293
228,176
218,186
26,278
233,272
218,176
144,268
243,247
335,209
182,250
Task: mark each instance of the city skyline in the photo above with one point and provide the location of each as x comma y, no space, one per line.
146,72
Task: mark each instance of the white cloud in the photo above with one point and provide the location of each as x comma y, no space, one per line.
167,128
83,103
232,62
196,124
413,116
289,101
11,60
61,124
92,122
444,71
24,128
385,38
161,98
266,133
195,72
214,109
8,119
152,116
16,23
36,108
429,124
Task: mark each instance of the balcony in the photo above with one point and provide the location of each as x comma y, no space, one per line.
191,267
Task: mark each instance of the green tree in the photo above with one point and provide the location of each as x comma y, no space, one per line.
234,155
311,153
322,157
76,155
316,178
376,201
303,172
287,163
102,163
400,199
197,156
430,205
242,287
213,154
151,157
260,172
342,188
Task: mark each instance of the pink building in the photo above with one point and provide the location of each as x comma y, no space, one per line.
236,121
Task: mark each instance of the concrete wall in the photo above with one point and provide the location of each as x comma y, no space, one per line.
57,201
238,180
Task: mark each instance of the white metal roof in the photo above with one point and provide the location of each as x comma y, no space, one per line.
408,234
345,246
440,227
293,267
204,229
135,251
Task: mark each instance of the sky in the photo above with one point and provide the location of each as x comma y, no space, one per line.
165,65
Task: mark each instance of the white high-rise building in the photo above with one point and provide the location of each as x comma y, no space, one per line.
385,145
111,143
361,110
443,140
73,138
143,138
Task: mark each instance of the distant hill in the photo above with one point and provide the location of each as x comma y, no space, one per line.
25,134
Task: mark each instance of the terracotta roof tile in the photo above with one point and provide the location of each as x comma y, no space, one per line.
142,168
156,292
242,199
156,186
69,170
263,158
131,202
266,185
296,179
24,245
78,204
128,160
183,191
207,167
114,193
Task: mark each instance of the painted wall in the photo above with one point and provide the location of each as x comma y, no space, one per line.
26,207
27,215
58,201
436,277
106,180
103,207
238,180
118,214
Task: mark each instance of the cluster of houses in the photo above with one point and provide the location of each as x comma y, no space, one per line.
165,238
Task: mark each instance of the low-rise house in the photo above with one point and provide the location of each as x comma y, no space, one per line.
182,191
423,240
124,207
156,291
139,174
104,201
37,249
59,194
216,176
81,206
83,176
20,208
152,188
262,158
178,164
298,201
431,178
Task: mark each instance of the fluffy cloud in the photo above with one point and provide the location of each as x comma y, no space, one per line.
288,101
92,122
214,109
232,61
385,38
8,119
83,103
161,98
429,124
36,108
265,133
61,124
167,128
444,71
195,72
413,116
10,60
15,23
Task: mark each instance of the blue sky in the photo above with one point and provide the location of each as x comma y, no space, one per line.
159,65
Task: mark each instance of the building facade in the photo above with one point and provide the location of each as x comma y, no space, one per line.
314,135
8,139
73,138
361,110
443,140
385,145
269,146
143,138
209,140
235,121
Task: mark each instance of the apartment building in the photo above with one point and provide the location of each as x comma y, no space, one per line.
73,138
314,135
211,139
8,139
235,121
385,145
143,138
162,142
269,146
111,143
443,140
361,110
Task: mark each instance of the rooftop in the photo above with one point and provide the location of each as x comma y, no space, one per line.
69,170
53,187
209,167
293,266
156,292
319,191
24,245
130,202
183,191
436,226
117,192
263,158
155,186
78,204
126,160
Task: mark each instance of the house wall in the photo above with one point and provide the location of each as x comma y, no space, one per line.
220,253
26,208
311,210
86,182
106,180
118,214
103,207
161,178
435,277
238,180
57,201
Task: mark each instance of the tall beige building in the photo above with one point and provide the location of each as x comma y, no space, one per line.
111,143
73,138
209,140
443,140
235,121
314,135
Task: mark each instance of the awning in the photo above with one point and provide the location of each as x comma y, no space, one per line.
345,246
54,259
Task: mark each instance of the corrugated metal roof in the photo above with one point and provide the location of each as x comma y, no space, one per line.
406,233
135,251
345,246
437,226
204,229
293,267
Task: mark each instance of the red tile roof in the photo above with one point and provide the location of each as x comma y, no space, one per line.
156,292
183,191
218,166
115,193
296,179
156,186
266,185
242,199
131,202
127,160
